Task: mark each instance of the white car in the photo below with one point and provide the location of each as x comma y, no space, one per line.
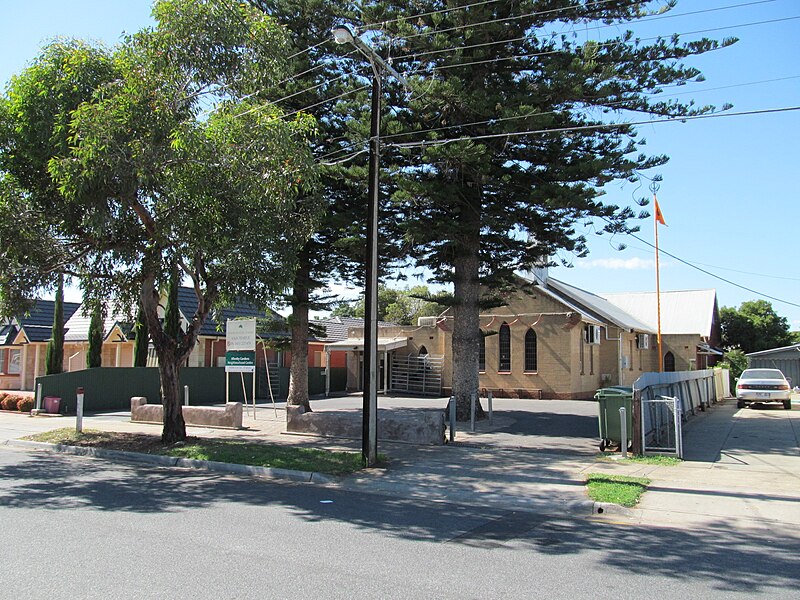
763,385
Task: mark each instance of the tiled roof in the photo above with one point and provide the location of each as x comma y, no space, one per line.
78,326
187,301
38,323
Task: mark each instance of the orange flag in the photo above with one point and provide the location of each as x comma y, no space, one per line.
659,214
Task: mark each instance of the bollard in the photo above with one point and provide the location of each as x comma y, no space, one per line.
452,418
38,397
472,398
186,395
79,417
623,428
489,402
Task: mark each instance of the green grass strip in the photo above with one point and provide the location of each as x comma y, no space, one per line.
616,489
231,451
266,455
650,459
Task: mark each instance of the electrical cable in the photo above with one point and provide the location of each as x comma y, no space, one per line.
590,127
552,35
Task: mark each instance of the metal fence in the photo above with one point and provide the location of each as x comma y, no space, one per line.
662,425
417,374
668,399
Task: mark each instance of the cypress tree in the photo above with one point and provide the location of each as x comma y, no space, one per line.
94,357
55,347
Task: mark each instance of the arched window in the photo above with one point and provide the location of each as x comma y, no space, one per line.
669,362
481,352
504,348
530,351
423,351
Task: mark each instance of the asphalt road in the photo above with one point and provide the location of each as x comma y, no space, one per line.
81,528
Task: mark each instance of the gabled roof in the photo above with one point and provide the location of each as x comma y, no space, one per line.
37,325
591,306
77,328
682,312
187,302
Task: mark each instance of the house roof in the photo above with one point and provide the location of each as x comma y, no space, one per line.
591,306
187,302
77,327
682,312
37,325
336,328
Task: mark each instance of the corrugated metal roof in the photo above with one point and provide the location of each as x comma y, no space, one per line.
593,307
682,312
788,349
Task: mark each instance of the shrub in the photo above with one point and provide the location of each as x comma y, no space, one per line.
25,405
9,402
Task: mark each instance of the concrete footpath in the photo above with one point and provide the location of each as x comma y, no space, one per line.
743,468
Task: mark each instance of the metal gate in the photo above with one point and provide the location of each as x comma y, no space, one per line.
417,374
662,430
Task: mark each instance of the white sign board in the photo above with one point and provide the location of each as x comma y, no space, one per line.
240,334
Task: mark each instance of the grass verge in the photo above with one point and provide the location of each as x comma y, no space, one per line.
616,489
650,459
231,451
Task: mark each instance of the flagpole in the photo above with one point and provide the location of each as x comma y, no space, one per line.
655,187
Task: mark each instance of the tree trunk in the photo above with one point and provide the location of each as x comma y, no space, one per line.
174,426
298,373
466,317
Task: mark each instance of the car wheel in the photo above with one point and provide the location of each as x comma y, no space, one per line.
740,404
787,404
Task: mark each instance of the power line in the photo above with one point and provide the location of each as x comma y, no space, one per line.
524,38
591,127
533,14
715,276
618,102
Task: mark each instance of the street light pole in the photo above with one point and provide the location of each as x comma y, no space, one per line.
369,426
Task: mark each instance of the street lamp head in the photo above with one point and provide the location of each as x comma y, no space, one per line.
343,34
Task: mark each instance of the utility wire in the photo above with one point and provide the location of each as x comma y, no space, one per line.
556,34
715,276
581,100
591,127
533,14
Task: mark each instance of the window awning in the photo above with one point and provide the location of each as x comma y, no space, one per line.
357,344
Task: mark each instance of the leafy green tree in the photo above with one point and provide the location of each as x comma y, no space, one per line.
754,326
94,355
501,153
401,306
736,362
54,363
181,159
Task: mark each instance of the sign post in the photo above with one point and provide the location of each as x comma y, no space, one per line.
240,354
79,411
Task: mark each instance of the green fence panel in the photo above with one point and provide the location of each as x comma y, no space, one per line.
111,388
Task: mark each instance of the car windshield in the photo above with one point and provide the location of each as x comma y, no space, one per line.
761,374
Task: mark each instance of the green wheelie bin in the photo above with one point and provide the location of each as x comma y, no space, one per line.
609,401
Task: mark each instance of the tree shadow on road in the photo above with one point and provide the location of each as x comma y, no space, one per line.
725,558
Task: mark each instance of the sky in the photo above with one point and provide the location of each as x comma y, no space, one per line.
729,193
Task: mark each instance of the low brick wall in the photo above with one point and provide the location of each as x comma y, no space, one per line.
227,417
423,427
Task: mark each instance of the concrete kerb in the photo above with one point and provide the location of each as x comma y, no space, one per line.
173,461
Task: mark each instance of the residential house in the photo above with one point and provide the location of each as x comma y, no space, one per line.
23,344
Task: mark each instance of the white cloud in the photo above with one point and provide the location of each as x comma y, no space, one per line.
617,264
